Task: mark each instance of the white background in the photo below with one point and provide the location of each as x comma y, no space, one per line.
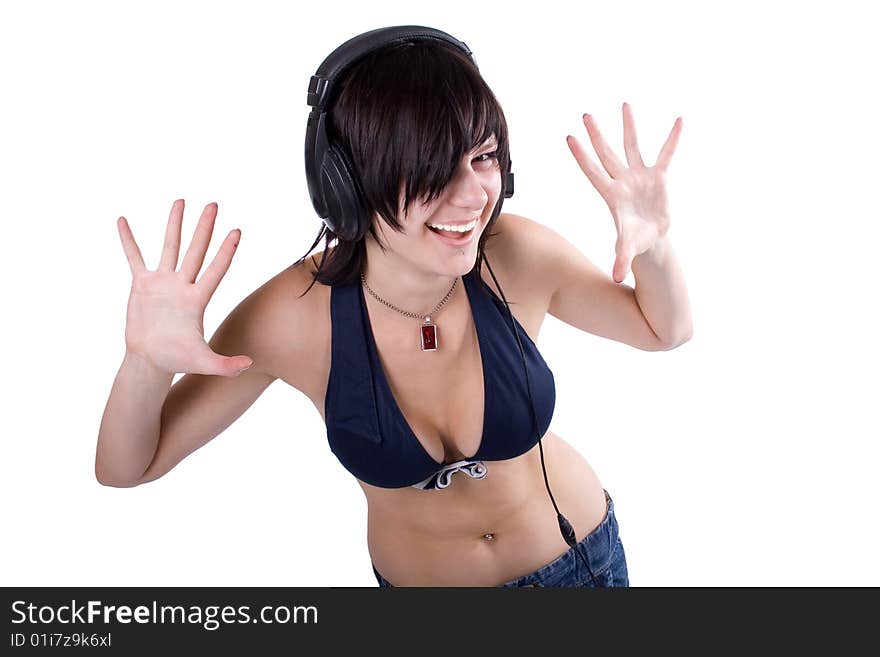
748,456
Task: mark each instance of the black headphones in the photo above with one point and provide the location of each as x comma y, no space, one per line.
336,193
333,185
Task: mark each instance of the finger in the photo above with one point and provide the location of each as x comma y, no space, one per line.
622,264
210,278
132,252
594,173
210,362
669,146
606,156
195,254
171,247
630,139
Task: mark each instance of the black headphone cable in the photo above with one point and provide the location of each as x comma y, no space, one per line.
565,527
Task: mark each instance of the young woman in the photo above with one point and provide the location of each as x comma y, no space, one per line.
404,344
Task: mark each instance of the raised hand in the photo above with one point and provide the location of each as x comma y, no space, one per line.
166,308
636,195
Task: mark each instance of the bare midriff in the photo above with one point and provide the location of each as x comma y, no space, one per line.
483,532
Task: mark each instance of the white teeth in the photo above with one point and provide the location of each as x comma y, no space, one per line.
458,229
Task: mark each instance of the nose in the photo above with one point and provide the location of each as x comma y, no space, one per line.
466,189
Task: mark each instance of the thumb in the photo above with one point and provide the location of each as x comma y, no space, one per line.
231,365
624,255
240,364
210,362
621,268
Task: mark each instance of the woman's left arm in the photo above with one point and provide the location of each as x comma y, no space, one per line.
636,196
661,292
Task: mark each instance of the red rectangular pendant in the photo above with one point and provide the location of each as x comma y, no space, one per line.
429,337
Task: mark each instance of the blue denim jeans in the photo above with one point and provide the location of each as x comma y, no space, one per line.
602,549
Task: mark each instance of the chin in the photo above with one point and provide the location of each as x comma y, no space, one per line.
457,265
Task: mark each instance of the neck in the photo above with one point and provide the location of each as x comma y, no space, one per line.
401,284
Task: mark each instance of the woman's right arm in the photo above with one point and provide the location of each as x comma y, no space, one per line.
148,429
148,425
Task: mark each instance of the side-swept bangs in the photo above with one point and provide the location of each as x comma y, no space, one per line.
409,113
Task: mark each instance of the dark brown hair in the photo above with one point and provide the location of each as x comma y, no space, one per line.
408,113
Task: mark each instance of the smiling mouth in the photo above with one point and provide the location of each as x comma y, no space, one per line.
453,234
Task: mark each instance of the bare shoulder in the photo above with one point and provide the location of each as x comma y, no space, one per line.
293,321
516,251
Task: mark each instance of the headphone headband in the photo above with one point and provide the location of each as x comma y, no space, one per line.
337,62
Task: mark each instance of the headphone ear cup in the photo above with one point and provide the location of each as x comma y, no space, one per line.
508,180
345,209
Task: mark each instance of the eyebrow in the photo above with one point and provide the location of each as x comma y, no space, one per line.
489,143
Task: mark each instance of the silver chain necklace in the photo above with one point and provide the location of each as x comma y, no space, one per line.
428,330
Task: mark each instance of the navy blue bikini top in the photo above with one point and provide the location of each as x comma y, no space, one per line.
366,429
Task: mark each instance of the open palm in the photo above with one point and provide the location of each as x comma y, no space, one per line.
636,195
166,307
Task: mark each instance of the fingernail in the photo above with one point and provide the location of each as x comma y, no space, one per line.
243,369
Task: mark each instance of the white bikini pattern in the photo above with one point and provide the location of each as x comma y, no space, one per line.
443,477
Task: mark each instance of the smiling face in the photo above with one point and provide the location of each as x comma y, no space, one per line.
467,200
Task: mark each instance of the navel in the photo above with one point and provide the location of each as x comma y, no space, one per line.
489,537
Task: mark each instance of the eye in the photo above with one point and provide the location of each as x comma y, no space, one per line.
493,155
